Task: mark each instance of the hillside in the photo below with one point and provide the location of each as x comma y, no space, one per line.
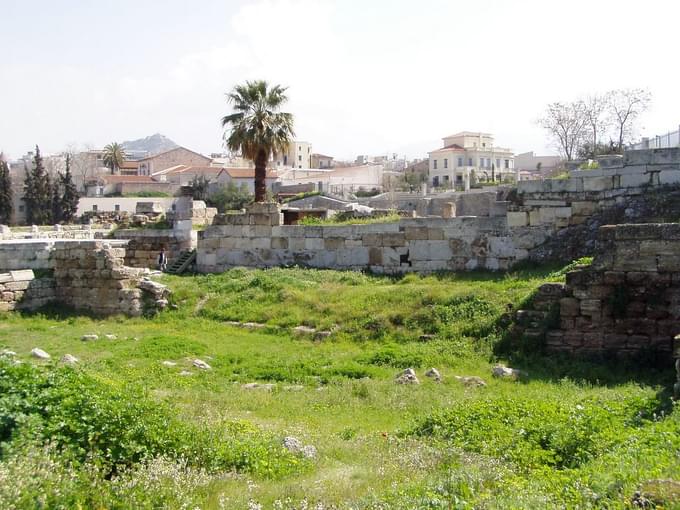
153,144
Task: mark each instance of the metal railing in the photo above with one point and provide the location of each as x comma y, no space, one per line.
670,139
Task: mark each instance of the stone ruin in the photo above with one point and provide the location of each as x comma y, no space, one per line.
86,275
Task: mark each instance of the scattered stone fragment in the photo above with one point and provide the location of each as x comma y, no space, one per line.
408,376
185,373
169,364
294,445
174,307
471,380
253,325
233,323
294,387
258,386
659,493
157,290
199,363
506,372
69,359
322,335
426,337
7,353
111,337
40,354
434,374
162,304
304,330
88,338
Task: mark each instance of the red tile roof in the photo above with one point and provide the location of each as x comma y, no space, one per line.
452,147
115,179
247,173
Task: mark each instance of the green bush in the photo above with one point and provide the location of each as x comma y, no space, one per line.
120,427
536,433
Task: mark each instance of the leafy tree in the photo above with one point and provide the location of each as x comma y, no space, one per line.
230,197
257,128
5,192
114,156
68,201
199,187
38,196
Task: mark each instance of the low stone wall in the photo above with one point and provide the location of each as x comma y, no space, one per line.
259,239
21,290
28,254
565,202
628,301
52,232
144,245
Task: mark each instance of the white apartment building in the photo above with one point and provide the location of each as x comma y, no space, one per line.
299,155
467,157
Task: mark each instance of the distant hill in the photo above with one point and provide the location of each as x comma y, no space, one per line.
153,144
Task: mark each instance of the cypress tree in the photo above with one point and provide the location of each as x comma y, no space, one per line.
38,195
55,193
68,203
5,193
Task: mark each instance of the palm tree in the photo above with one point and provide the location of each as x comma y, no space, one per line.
257,128
114,156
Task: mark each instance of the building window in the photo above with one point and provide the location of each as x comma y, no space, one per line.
285,160
446,162
469,161
446,178
498,162
300,158
94,207
435,164
299,166
117,208
300,148
507,163
484,144
21,208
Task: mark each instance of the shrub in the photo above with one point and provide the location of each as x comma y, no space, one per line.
87,418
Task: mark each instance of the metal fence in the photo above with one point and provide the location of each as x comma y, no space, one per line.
670,139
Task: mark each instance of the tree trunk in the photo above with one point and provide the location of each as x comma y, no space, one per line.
261,176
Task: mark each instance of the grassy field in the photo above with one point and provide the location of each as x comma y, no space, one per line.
124,430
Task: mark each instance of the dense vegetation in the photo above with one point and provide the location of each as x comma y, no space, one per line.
121,429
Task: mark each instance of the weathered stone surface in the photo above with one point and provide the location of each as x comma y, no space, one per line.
199,363
503,372
471,381
89,338
39,353
69,359
408,376
434,374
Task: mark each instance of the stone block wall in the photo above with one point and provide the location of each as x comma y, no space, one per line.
144,245
628,301
566,202
259,239
16,255
91,275
21,290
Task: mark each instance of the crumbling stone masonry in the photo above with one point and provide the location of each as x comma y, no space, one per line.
91,275
628,301
21,290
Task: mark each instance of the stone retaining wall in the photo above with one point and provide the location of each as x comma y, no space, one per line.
628,301
21,290
144,245
564,202
259,239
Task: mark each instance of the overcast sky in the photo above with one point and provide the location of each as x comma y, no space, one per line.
364,77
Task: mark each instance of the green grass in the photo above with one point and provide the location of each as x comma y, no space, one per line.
342,220
569,435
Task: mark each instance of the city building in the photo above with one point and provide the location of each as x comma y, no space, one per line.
298,155
321,161
170,158
240,176
537,165
467,157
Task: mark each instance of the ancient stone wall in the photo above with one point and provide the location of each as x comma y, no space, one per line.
566,202
259,239
628,301
21,290
144,245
